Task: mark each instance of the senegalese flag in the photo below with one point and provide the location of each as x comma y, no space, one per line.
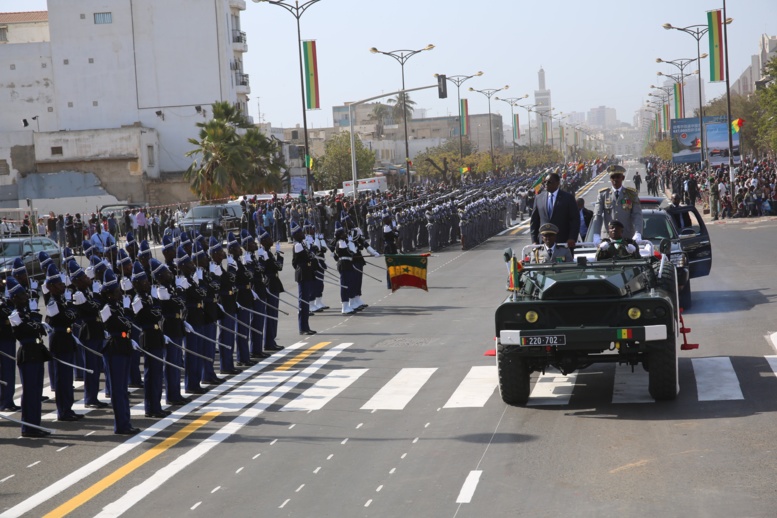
678,101
407,270
312,98
737,124
515,273
464,170
309,161
464,117
624,334
667,117
715,34
537,185
516,127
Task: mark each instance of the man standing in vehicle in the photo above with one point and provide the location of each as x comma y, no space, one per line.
618,203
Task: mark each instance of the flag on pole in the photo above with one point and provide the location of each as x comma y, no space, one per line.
516,127
715,34
407,270
312,99
667,117
537,185
309,161
678,101
515,274
464,115
737,124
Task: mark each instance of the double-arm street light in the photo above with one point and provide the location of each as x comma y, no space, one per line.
402,56
513,102
297,10
681,64
528,108
697,32
489,92
458,81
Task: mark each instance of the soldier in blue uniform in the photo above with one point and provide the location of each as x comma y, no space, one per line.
31,356
7,365
304,275
245,299
61,316
124,271
343,254
228,301
89,329
171,300
195,316
273,264
148,316
254,261
117,351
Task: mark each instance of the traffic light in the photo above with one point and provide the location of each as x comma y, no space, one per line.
442,86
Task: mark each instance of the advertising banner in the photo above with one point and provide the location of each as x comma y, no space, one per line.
717,144
686,138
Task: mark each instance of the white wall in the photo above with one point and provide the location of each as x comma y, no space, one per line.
26,87
28,32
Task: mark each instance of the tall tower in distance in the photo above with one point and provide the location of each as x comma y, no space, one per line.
542,100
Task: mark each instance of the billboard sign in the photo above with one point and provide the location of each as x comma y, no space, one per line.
686,138
716,142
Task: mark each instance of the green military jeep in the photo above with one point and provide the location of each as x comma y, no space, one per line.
571,315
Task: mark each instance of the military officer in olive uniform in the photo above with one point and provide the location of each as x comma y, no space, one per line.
550,251
619,203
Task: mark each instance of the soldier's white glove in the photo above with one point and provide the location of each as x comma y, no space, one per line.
126,302
155,292
125,284
105,313
135,345
33,284
309,239
597,239
352,247
198,274
604,246
631,248
96,286
375,254
637,237
162,293
231,261
247,259
44,289
90,272
15,319
33,305
277,247
256,297
68,295
79,298
188,327
137,304
182,282
262,253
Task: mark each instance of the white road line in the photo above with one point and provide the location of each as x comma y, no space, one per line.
469,487
475,389
368,502
315,471
195,506
155,481
344,441
771,359
284,503
90,433
359,425
60,449
630,387
215,489
34,464
324,390
552,388
716,379
398,392
247,393
9,477
392,470
255,456
379,488
773,339
299,488
239,470
330,456
73,478
292,426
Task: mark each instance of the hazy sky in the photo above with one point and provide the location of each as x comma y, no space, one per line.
600,52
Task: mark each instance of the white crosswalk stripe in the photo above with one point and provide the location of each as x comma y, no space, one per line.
716,379
324,390
552,388
475,389
398,392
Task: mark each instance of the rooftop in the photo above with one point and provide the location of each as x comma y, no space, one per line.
24,17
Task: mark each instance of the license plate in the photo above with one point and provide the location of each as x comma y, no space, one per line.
544,340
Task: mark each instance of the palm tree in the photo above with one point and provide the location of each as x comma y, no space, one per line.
265,162
228,112
379,114
219,172
402,104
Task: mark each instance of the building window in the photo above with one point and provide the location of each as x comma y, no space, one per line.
102,18
150,152
5,169
3,33
56,151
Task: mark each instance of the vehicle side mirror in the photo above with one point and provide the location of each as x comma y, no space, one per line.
665,246
508,254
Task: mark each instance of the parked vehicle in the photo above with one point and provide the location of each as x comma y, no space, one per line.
27,248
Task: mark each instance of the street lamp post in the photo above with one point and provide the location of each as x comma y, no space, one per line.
402,56
528,109
513,102
458,81
297,10
681,64
489,92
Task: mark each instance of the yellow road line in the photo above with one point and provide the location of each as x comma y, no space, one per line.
79,500
301,356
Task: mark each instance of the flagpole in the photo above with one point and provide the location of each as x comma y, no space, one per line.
728,100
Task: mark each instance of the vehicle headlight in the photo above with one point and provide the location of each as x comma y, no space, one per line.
209,225
532,317
678,260
634,313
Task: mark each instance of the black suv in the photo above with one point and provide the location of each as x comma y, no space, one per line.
212,220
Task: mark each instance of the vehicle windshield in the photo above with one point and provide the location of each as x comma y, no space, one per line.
10,249
204,211
656,226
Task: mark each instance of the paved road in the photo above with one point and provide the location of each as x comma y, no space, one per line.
394,412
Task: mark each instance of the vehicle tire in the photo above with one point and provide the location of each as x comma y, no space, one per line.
514,379
685,296
662,376
667,281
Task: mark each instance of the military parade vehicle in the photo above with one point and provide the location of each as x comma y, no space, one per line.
568,316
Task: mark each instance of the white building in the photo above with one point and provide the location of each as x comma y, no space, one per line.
135,68
746,84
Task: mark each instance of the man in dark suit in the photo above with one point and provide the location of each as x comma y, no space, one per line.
557,207
585,217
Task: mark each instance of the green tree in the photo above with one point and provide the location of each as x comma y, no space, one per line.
265,162
401,104
334,167
380,112
765,124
